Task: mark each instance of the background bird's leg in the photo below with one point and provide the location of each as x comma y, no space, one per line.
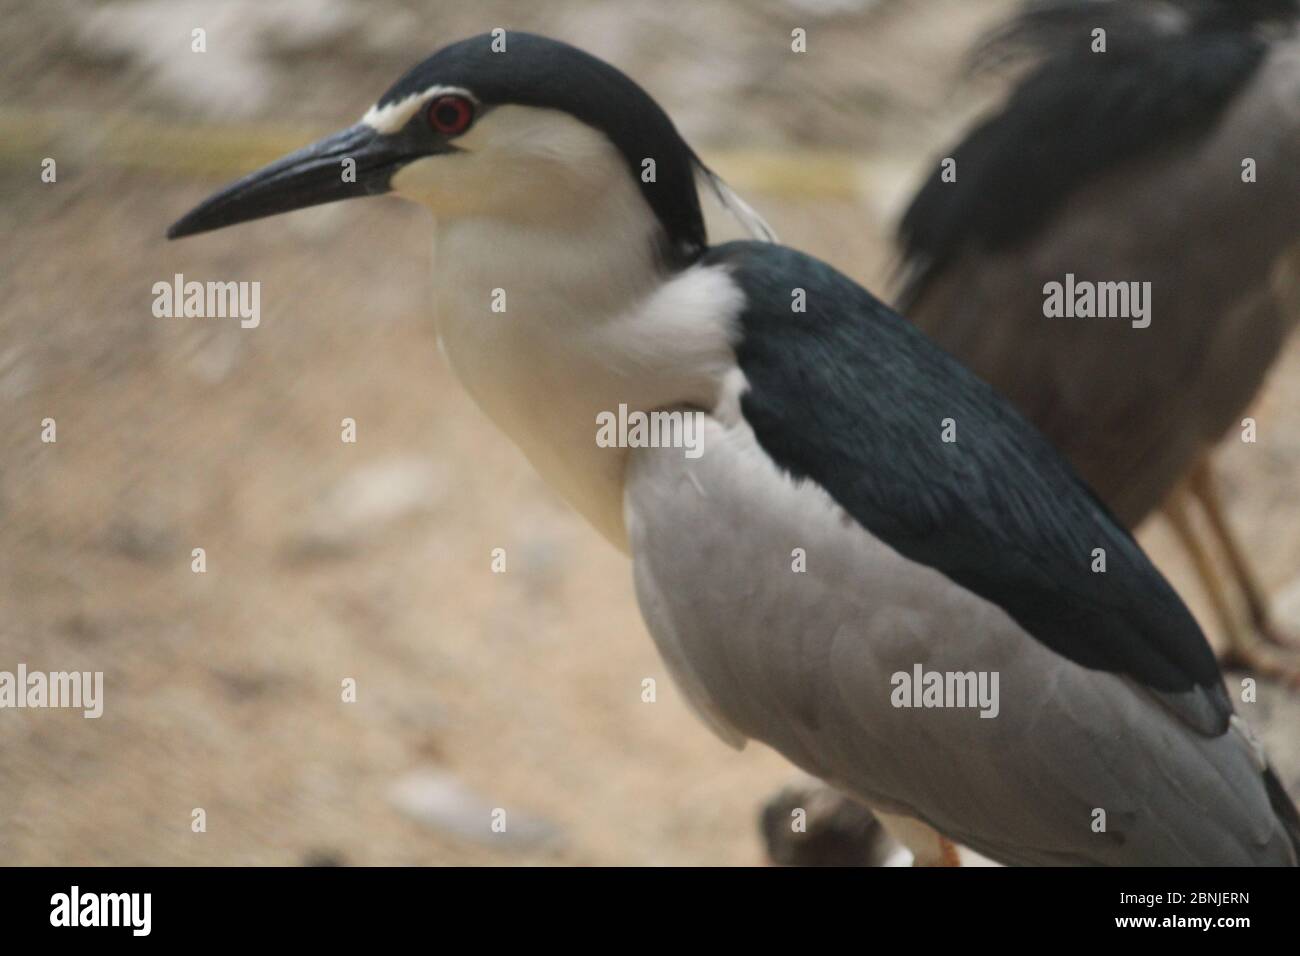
1177,508
1245,650
1202,484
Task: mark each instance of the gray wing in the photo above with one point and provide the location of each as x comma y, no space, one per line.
803,661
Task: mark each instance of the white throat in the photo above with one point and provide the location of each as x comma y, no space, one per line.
554,312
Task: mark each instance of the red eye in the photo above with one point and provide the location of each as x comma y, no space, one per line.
450,115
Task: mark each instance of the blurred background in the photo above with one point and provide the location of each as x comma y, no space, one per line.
372,561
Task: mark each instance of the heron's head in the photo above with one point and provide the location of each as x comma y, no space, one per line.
507,126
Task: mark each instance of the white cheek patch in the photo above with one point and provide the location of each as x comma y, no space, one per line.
391,117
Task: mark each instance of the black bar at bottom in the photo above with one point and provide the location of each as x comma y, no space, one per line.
329,906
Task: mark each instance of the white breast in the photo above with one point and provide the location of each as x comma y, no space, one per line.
588,325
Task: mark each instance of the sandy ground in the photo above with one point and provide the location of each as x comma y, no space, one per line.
371,561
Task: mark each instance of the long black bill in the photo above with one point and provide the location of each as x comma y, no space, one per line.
310,176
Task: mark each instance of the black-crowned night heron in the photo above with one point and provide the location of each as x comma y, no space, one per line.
1173,157
825,541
